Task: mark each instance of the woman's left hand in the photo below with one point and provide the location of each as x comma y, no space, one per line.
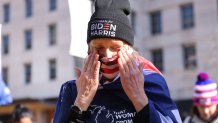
132,79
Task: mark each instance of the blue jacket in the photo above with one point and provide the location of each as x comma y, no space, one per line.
5,95
111,104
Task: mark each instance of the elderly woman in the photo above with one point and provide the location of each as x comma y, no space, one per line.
116,85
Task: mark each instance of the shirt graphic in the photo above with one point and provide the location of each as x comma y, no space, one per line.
101,114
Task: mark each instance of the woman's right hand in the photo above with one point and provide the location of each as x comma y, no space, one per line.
87,82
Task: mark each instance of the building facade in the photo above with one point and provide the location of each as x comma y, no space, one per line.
181,38
35,52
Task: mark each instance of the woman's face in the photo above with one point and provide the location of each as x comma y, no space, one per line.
207,112
107,49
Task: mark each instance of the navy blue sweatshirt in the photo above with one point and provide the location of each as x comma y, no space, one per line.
111,104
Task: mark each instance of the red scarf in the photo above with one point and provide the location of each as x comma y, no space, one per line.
110,69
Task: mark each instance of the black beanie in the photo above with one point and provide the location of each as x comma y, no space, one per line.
110,21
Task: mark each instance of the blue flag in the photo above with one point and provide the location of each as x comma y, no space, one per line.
5,94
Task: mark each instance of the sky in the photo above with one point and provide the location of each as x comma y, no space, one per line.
80,13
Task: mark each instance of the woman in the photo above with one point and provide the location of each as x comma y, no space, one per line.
205,100
115,85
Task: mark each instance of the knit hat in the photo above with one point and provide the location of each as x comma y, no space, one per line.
205,90
110,21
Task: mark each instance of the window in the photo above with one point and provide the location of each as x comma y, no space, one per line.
157,58
189,56
28,39
217,6
78,62
52,69
5,44
28,8
52,5
155,23
6,10
133,21
27,68
52,34
187,16
5,75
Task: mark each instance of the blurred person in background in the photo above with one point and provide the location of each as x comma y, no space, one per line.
205,101
116,85
21,114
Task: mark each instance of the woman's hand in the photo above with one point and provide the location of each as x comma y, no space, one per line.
87,82
132,79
